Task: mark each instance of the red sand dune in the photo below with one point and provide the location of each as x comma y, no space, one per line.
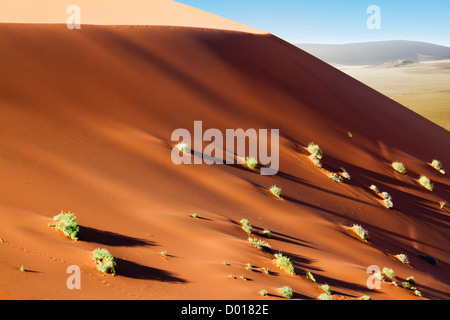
86,122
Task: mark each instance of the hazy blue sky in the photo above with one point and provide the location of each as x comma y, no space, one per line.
335,21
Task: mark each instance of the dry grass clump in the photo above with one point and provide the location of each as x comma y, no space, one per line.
426,182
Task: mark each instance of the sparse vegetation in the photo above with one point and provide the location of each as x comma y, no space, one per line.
399,167
67,223
105,261
361,232
411,280
287,292
310,276
251,162
438,166
345,174
403,258
194,215
267,233
243,278
374,188
442,204
325,296
276,191
389,272
22,268
163,253
379,275
406,284
426,182
249,267
417,293
388,203
183,147
366,297
263,292
284,262
325,287
350,135
258,243
232,276
336,177
316,161
265,270
226,263
315,150
246,226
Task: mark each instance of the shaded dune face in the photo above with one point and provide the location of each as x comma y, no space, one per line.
87,117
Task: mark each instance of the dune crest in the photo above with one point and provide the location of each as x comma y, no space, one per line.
117,12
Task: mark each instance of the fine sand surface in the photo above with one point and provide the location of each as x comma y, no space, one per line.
423,87
87,118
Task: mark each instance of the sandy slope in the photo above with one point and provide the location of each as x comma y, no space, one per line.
86,123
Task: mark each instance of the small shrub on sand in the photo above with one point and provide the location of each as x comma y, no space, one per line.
105,261
267,233
374,188
345,174
399,167
388,203
310,276
287,292
284,262
325,296
361,232
263,293
336,177
442,204
316,161
249,267
403,258
417,293
389,272
22,268
426,183
276,191
315,150
265,270
251,162
438,166
246,226
406,284
366,297
325,287
411,280
258,243
183,147
67,223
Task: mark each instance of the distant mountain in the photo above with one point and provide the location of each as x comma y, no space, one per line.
374,53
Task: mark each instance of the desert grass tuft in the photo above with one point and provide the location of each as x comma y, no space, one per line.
315,150
325,296
183,147
105,261
403,258
246,226
426,182
325,287
258,243
251,162
310,276
287,292
389,272
399,167
276,191
438,166
67,223
336,177
284,262
361,232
